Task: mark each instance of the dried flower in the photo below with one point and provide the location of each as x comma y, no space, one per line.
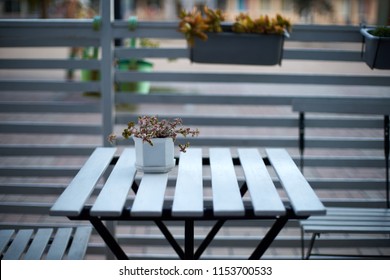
149,127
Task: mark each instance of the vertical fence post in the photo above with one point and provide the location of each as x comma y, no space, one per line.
106,69
107,83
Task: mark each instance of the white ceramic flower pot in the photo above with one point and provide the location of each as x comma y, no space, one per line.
158,158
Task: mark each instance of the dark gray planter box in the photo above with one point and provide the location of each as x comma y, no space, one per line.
377,50
239,48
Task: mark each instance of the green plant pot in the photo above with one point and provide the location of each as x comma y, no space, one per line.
90,75
142,87
377,50
239,48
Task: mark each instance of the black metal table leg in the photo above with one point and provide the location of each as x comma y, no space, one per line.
189,240
269,237
170,239
210,236
108,238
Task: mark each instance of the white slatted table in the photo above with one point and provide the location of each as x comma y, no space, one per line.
150,203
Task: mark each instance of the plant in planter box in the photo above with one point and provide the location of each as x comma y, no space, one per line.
377,47
154,142
192,25
246,41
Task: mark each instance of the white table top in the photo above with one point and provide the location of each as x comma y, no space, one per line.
189,200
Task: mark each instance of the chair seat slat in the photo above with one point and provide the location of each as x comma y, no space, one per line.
45,243
348,229
19,245
346,223
38,245
5,238
59,244
79,243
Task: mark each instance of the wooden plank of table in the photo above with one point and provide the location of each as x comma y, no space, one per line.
303,199
38,245
112,197
19,244
265,199
188,199
72,200
150,196
227,199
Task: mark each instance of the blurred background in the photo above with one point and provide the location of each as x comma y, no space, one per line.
340,12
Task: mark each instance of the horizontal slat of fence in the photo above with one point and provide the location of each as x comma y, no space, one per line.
46,150
48,32
310,79
49,128
325,55
49,64
344,142
140,53
343,105
49,42
232,141
246,241
23,85
288,142
39,171
210,99
297,54
265,121
222,120
49,107
301,33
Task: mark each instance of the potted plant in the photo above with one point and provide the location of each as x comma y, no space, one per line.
89,53
377,47
154,142
123,64
141,65
88,75
246,41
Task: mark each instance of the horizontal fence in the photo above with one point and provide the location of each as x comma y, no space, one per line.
30,110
